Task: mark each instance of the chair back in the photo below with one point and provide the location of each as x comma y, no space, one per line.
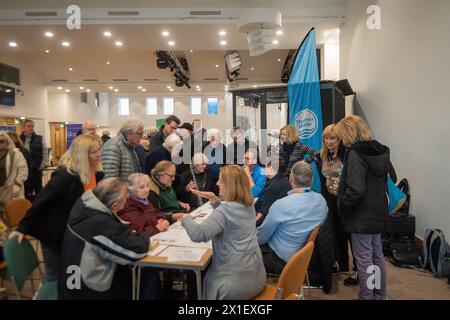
293,274
313,235
15,210
20,259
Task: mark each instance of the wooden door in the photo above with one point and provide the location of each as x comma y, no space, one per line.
58,141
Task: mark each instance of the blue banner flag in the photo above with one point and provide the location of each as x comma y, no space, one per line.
305,107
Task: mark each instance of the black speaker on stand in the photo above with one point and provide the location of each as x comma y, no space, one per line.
333,95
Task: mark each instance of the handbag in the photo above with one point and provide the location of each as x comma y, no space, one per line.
396,197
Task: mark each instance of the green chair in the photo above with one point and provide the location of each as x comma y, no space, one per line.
21,260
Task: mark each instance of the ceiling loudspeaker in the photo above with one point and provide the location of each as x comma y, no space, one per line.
260,25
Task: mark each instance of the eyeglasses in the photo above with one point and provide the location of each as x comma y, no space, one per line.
170,175
173,128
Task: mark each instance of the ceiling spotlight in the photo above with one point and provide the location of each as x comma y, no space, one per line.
139,87
49,34
279,32
223,43
217,65
13,44
198,87
59,88
22,118
67,90
222,33
108,62
119,43
171,89
165,33
47,51
66,122
81,88
144,90
110,87
275,42
171,43
278,60
191,51
65,44
88,90
8,90
107,34
70,69
116,90
252,68
255,86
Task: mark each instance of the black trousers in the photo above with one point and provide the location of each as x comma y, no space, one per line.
35,185
272,262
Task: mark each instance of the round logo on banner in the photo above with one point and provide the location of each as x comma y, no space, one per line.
306,123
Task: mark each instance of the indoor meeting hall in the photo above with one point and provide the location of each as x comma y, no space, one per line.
246,150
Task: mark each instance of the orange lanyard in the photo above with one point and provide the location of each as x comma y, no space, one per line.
301,191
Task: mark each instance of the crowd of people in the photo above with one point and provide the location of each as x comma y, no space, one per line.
110,195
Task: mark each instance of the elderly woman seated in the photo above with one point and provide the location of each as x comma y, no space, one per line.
162,195
197,178
143,216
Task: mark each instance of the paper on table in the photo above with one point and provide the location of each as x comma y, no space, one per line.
183,254
157,250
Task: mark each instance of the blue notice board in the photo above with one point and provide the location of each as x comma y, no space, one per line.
212,106
71,131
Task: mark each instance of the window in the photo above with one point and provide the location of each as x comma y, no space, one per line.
168,105
124,106
196,105
212,105
152,106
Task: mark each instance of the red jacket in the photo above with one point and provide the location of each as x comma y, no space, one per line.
141,217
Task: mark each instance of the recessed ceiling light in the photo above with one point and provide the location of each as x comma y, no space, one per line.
108,62
116,90
70,69
217,65
81,88
66,122
107,34
165,33
275,42
191,51
171,89
139,87
47,51
171,43
222,33
223,43
279,32
144,89
65,44
110,87
59,88
119,43
8,90
49,34
88,90
13,44
255,86
252,68
98,126
278,60
198,89
67,90
22,118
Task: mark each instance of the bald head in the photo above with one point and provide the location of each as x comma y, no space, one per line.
89,127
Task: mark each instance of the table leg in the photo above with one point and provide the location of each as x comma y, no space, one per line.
198,278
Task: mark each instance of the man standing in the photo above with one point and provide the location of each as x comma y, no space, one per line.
35,144
170,125
89,127
119,158
291,220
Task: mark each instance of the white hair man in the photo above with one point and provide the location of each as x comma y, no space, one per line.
171,146
119,158
291,219
216,152
89,127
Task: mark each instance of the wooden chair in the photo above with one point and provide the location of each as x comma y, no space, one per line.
312,238
15,210
291,279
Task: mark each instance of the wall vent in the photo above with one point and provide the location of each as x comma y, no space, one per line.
123,13
120,80
210,79
59,80
151,79
41,14
205,12
90,80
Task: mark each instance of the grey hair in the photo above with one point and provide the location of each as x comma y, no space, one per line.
302,174
88,122
199,158
254,153
109,191
131,125
171,141
134,179
214,132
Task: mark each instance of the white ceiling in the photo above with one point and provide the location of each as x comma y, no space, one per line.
136,61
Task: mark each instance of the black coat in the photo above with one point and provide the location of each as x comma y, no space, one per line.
275,189
47,218
157,139
36,150
190,198
362,200
154,156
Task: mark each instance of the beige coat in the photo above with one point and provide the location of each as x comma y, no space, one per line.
17,174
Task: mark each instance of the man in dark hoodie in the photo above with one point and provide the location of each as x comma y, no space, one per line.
362,202
98,246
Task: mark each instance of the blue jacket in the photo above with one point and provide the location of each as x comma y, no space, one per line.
259,178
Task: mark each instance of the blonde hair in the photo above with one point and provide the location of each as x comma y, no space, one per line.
160,168
351,129
328,131
16,139
9,141
237,185
145,143
291,134
76,159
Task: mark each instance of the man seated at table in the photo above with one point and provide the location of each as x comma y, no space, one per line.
100,246
291,220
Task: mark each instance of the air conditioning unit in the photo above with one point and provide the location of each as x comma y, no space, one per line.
260,41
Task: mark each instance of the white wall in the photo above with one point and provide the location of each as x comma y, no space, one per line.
400,74
33,103
182,109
